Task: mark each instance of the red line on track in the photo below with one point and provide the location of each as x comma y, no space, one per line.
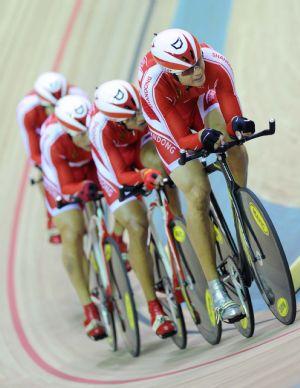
11,289
67,35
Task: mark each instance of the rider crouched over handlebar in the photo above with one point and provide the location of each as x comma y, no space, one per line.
32,112
186,89
69,170
124,155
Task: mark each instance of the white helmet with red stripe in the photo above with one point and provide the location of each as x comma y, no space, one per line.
118,100
50,87
176,50
72,112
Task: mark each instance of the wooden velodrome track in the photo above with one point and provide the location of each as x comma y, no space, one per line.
42,343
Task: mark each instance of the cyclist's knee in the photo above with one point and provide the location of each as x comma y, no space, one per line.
238,155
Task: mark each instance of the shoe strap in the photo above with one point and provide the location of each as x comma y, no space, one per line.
220,310
159,320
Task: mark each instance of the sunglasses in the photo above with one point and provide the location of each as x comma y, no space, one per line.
191,70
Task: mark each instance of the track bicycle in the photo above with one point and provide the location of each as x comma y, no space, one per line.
178,272
260,255
109,283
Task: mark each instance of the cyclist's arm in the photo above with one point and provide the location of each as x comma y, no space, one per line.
64,173
168,114
214,119
227,98
124,174
181,132
33,139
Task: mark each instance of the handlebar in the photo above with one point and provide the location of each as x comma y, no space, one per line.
60,202
129,191
186,156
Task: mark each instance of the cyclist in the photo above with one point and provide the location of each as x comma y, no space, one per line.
124,155
68,169
186,90
32,111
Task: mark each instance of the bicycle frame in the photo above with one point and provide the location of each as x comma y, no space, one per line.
172,264
221,165
94,220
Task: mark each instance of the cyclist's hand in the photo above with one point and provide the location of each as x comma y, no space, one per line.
242,126
151,178
211,139
88,191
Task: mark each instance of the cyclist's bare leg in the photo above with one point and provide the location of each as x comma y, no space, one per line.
192,180
194,183
150,159
237,156
71,227
86,270
133,217
118,228
238,163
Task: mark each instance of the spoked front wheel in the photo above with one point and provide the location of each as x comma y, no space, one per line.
269,264
196,286
123,299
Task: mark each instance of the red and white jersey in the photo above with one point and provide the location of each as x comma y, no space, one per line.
116,153
168,105
30,116
65,166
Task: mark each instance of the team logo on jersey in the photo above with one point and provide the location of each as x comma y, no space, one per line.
178,44
210,96
119,96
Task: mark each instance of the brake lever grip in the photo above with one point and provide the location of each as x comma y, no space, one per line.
183,158
272,126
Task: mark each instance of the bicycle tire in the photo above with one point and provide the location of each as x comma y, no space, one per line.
170,305
123,299
227,264
270,267
197,288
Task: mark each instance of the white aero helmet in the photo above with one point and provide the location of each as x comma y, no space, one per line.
118,100
176,50
50,87
72,112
